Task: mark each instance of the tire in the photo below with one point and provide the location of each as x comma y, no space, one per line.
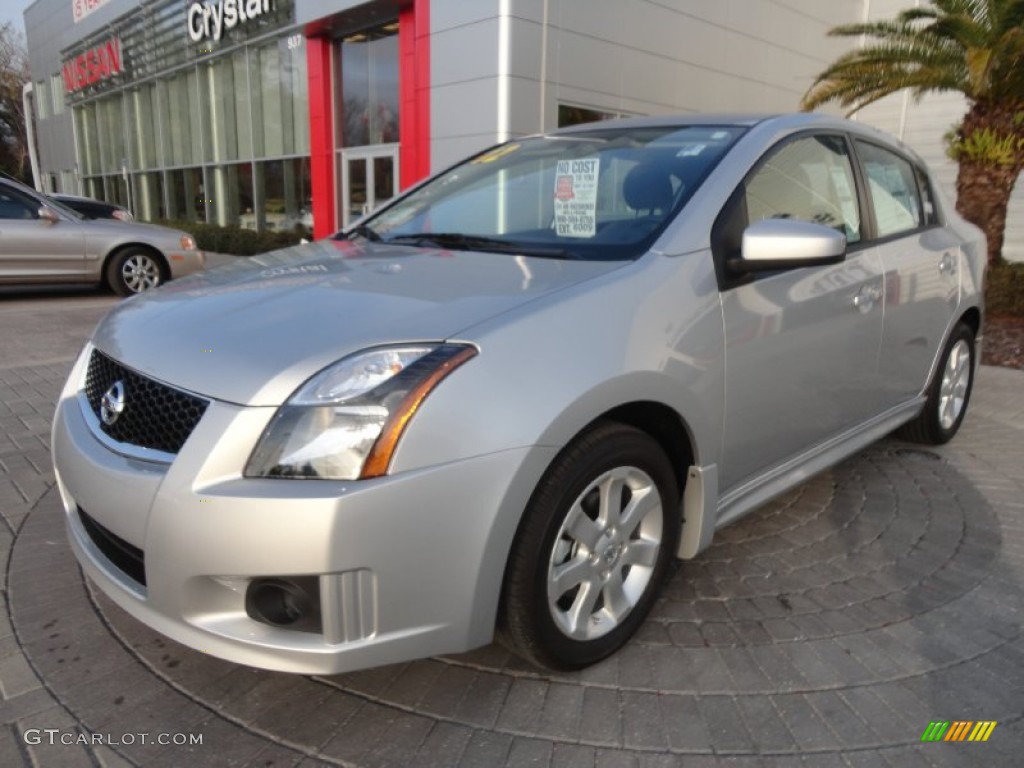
949,392
135,270
579,583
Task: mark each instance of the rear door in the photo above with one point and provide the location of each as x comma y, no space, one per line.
921,259
801,344
37,249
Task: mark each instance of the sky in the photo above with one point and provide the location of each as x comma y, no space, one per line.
12,10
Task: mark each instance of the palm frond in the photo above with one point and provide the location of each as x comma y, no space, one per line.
972,46
880,29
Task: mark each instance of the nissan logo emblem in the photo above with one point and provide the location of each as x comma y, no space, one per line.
112,403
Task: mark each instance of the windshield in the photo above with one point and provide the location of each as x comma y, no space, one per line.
602,194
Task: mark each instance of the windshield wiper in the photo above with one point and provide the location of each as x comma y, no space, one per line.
460,241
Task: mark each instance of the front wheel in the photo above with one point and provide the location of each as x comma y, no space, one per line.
949,392
592,549
134,270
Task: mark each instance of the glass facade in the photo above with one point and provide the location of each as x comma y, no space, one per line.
222,139
218,131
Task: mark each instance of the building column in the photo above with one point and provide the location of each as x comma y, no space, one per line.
321,136
414,92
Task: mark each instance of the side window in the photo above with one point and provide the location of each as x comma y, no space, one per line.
16,206
892,188
810,179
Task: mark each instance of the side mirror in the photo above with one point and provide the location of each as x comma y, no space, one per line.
774,244
48,214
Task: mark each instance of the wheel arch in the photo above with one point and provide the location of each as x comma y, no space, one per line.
662,423
654,417
972,318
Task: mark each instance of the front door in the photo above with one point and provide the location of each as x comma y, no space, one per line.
369,178
801,345
35,248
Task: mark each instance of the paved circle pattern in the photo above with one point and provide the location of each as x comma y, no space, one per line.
825,623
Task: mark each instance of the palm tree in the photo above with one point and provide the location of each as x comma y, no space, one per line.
975,47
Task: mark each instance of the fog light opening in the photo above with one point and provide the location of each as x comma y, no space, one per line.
282,603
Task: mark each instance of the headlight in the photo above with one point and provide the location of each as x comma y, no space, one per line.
188,243
345,422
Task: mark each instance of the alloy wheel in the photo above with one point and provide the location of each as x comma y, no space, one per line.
955,379
140,272
605,553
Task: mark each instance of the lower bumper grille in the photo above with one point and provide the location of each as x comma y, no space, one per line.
127,557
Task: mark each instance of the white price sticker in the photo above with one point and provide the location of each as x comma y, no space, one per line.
576,197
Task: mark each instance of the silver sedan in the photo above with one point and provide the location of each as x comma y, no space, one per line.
44,241
502,404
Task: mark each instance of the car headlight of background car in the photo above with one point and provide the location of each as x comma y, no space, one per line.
344,423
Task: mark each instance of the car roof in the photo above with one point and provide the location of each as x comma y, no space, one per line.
785,121
17,185
659,121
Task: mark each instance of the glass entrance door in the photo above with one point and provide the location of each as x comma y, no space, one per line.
369,178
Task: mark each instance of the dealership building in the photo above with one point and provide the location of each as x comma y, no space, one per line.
277,114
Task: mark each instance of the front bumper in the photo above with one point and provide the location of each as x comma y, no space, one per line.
408,565
183,263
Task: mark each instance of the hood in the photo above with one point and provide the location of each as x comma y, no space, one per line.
251,332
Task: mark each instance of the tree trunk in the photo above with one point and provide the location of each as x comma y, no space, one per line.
983,186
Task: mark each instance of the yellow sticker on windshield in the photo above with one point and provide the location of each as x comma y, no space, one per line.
497,154
576,197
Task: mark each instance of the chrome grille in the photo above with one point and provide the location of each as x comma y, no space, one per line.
155,415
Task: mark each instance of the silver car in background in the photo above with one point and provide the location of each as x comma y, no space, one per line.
504,402
44,241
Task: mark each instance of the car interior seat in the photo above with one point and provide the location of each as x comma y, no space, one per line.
648,188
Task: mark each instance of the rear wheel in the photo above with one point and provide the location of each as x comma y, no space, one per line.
949,392
592,549
134,270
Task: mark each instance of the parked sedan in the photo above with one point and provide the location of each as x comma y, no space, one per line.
43,241
507,400
94,209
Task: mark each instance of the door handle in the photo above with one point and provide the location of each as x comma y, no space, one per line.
947,264
866,297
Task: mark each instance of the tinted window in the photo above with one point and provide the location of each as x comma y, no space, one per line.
892,187
810,179
14,205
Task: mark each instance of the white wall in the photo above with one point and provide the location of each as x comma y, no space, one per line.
631,56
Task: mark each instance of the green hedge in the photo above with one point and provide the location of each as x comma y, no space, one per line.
1004,290
235,240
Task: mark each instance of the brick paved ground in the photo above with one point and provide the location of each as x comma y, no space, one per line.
826,629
